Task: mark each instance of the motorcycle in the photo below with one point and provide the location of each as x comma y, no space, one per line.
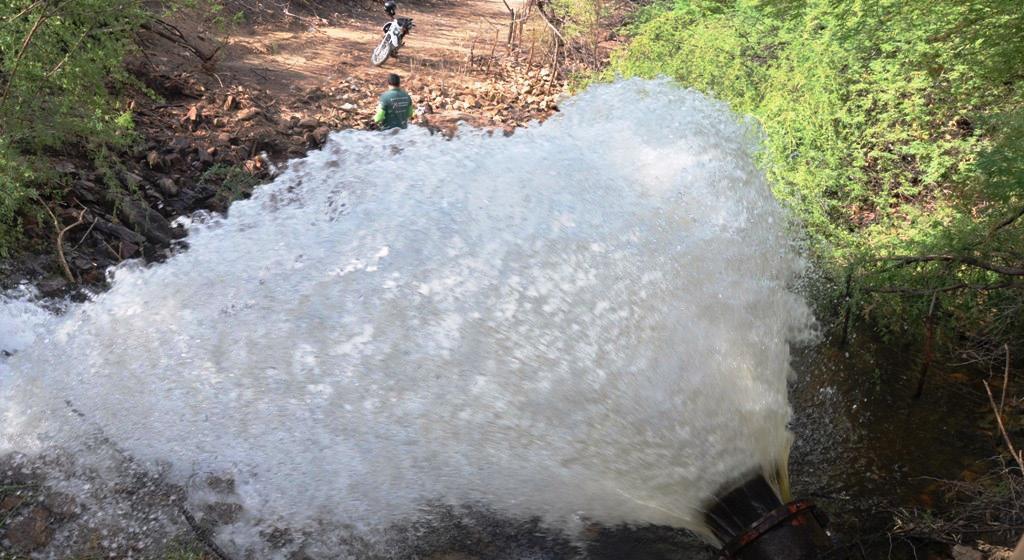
394,37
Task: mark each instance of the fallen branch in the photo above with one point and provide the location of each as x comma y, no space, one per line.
998,410
203,534
60,245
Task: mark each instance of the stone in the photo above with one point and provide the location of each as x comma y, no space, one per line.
221,484
126,249
131,180
348,107
85,190
120,232
32,531
61,505
248,114
961,552
230,103
193,117
221,513
146,221
205,157
11,503
320,135
168,186
153,159
52,286
309,123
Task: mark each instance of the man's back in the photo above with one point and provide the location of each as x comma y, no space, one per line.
397,107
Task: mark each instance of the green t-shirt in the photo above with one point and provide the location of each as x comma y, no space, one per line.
394,110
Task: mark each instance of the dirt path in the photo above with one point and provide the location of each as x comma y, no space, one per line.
317,56
455,64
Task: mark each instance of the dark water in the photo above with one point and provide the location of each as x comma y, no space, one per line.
865,447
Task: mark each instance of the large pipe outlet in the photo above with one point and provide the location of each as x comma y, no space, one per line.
754,524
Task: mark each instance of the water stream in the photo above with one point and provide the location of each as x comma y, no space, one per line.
588,322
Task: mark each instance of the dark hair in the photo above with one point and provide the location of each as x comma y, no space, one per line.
394,80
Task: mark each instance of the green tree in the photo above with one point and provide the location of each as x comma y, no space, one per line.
893,132
61,64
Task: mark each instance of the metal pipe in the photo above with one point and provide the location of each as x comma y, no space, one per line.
754,524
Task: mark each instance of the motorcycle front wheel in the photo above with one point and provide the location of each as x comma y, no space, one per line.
382,52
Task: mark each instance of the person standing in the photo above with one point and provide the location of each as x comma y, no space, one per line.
395,106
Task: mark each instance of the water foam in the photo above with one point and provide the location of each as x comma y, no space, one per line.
589,319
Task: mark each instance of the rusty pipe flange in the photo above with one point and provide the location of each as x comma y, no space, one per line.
793,531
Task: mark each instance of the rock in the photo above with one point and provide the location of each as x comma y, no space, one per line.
131,180
85,190
11,503
219,122
320,135
221,484
62,505
31,532
221,513
153,159
126,249
309,123
193,117
64,167
347,107
230,103
120,232
206,157
52,286
146,221
248,114
961,552
81,263
168,186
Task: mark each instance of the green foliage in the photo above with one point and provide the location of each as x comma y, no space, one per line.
60,64
893,128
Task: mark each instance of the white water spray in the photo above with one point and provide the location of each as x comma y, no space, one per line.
588,319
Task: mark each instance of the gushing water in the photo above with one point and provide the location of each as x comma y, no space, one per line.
588,320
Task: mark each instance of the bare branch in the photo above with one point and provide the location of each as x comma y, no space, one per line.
959,259
950,288
1016,215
